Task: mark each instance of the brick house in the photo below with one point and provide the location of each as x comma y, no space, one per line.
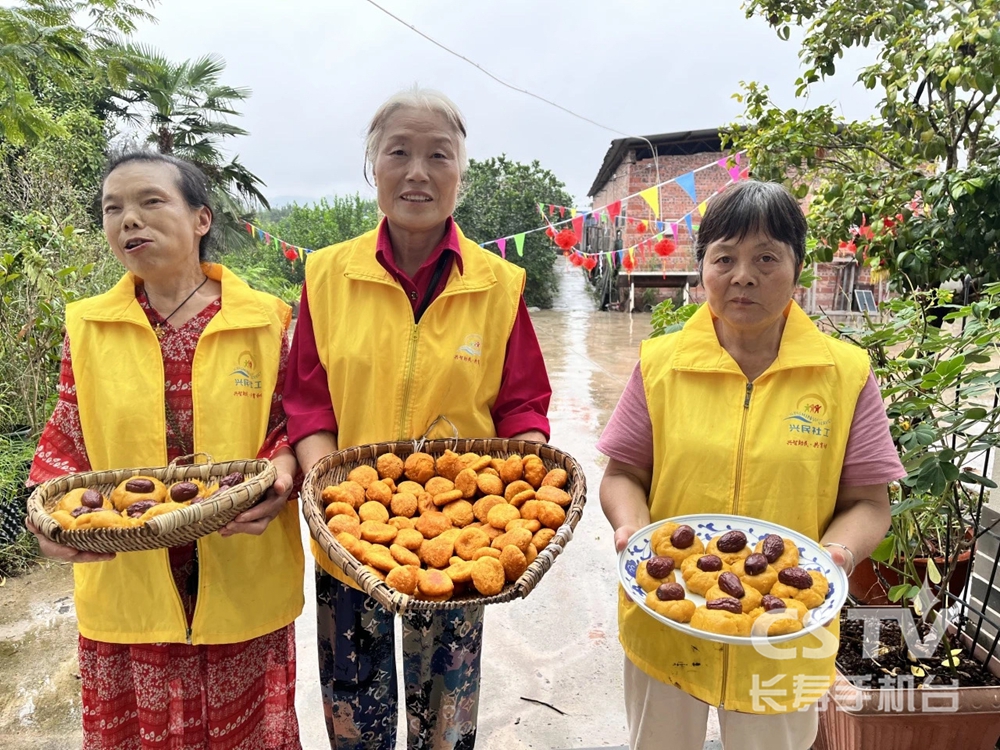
630,166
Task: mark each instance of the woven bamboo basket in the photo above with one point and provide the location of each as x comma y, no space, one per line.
169,530
334,468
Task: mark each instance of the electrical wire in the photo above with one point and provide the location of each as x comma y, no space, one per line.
481,69
495,77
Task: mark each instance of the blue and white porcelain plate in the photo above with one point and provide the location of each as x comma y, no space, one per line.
709,525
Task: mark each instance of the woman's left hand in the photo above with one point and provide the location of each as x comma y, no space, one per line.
255,520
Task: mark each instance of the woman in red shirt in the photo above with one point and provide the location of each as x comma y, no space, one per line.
416,146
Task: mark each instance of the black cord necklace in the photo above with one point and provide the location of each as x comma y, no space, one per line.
158,328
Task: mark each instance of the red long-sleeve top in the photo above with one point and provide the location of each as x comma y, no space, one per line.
522,402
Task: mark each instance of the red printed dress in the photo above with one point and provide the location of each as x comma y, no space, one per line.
172,696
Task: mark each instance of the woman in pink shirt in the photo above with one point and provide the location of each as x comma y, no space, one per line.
750,250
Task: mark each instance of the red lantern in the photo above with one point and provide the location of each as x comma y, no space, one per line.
628,263
576,259
642,227
590,262
664,247
291,254
550,232
565,239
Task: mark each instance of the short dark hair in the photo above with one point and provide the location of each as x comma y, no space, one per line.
750,207
191,182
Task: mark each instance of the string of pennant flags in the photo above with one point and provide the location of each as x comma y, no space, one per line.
663,242
567,239
290,251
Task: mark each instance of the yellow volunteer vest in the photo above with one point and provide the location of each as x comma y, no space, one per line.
390,378
723,445
248,585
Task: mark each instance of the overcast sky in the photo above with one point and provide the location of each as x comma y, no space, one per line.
319,69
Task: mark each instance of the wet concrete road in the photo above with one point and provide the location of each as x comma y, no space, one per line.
558,646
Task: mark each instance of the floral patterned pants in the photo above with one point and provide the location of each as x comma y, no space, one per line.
357,669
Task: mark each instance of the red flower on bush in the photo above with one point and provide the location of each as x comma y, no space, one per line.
565,239
664,247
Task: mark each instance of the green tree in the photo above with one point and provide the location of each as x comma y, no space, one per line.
184,110
315,225
499,199
915,190
53,41
325,222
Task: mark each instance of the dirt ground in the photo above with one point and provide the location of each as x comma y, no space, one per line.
39,680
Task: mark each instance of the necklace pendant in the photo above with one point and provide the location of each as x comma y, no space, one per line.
158,330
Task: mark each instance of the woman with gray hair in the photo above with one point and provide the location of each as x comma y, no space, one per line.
750,410
397,327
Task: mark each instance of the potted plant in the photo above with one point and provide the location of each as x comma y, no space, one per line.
938,365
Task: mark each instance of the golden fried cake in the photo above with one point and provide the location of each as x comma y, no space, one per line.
731,546
668,600
722,616
677,541
780,553
729,584
654,572
755,571
138,488
701,572
807,586
779,616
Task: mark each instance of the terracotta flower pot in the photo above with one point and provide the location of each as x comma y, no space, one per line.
866,587
915,719
862,719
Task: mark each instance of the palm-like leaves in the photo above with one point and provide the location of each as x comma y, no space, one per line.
184,109
41,38
34,39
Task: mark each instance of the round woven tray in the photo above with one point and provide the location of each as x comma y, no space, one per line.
334,468
169,530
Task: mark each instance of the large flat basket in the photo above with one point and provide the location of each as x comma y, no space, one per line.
168,530
334,468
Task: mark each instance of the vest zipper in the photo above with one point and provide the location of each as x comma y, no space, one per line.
408,382
736,502
200,594
180,602
739,453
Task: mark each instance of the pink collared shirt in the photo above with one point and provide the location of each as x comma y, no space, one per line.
870,457
521,405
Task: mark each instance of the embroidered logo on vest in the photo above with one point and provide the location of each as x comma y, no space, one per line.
809,424
247,376
472,350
